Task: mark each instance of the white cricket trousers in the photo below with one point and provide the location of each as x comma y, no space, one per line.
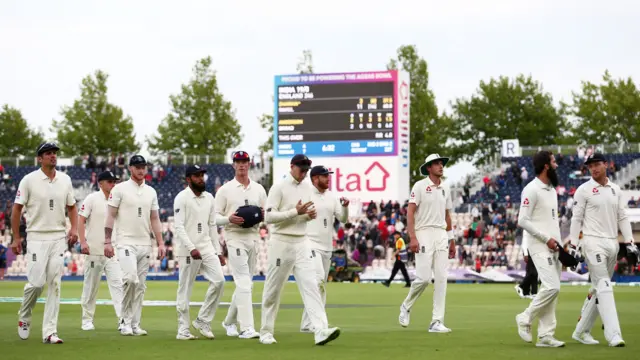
45,263
601,256
94,266
212,271
134,262
243,264
322,265
543,305
431,261
287,254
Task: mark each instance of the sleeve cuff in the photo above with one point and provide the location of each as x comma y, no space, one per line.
450,235
293,212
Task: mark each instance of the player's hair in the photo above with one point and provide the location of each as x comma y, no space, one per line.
540,159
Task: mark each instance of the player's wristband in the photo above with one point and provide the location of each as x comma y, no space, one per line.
450,235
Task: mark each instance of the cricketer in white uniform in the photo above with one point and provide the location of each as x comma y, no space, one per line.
431,240
288,210
44,194
133,209
538,218
320,231
599,211
198,248
91,227
241,244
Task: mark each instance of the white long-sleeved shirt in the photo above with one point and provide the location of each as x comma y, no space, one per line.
328,208
195,223
94,210
599,211
229,198
281,210
538,216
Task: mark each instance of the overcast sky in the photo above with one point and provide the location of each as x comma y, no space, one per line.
149,47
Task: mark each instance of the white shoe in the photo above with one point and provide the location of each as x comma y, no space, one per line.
23,330
519,292
404,316
267,339
52,339
232,330
438,327
524,329
617,341
307,330
204,328
549,341
88,327
125,330
530,297
138,331
585,338
249,334
186,336
325,336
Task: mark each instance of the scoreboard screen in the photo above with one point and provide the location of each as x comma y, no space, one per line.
335,114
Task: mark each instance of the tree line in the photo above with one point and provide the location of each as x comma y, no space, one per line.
201,120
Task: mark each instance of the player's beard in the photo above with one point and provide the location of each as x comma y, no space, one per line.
197,187
553,177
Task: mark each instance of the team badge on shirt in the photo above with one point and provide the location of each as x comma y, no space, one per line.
595,191
525,202
428,189
18,194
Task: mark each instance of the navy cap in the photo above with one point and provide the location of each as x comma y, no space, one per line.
107,175
194,169
320,170
46,146
137,160
301,161
251,214
595,158
240,156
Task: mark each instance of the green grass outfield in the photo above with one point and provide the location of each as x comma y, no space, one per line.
481,316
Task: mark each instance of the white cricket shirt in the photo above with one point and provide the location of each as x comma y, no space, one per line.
94,210
229,198
135,203
281,210
432,201
195,223
599,211
328,208
539,216
45,202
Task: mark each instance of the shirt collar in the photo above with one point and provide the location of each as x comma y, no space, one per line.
136,184
431,183
45,177
293,180
237,183
193,195
597,184
542,185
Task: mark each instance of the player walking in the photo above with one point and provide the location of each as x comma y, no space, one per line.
198,249
93,213
242,238
288,210
431,240
538,218
45,195
133,208
599,211
320,231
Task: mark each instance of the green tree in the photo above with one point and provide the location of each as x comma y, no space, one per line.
92,124
428,131
607,113
201,121
506,108
16,138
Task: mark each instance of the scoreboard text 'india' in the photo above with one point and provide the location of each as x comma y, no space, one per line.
357,124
